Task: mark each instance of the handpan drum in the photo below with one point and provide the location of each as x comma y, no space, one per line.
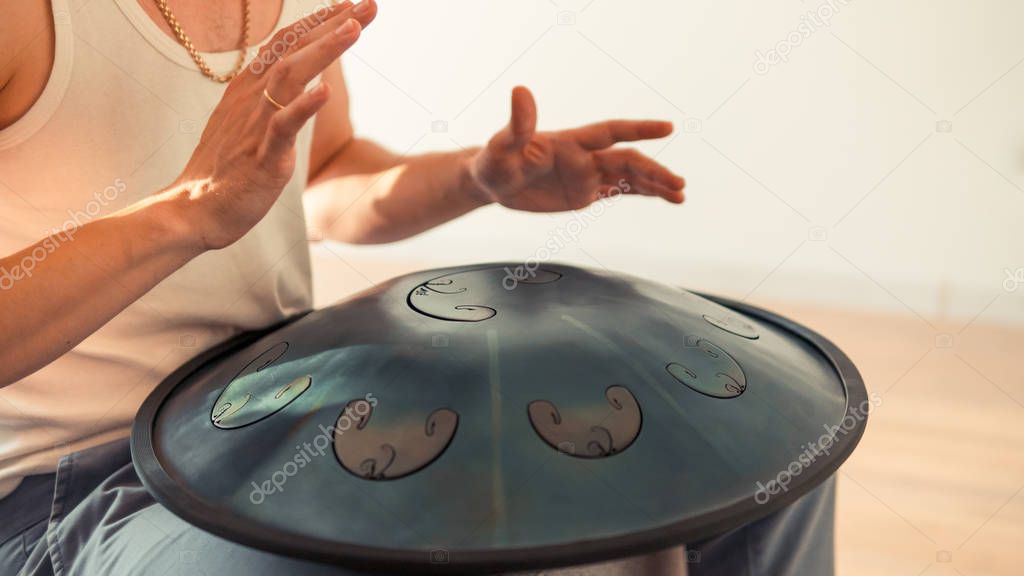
499,418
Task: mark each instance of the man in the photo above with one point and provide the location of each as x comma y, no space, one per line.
129,242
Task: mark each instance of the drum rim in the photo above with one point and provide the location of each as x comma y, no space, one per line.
224,523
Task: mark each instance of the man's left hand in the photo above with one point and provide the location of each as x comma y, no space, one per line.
523,169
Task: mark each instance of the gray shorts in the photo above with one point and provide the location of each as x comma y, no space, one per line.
94,517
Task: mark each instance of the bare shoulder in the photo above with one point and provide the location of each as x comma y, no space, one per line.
26,55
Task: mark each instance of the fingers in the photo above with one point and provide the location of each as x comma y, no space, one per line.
640,186
636,165
631,172
523,124
285,124
607,134
364,13
304,32
524,116
289,77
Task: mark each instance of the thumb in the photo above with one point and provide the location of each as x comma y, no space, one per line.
523,125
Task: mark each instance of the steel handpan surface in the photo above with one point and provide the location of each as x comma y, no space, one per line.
493,418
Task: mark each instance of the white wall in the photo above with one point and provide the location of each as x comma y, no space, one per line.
834,177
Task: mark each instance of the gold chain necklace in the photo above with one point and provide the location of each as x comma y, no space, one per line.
196,57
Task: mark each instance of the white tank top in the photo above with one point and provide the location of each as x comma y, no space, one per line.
118,120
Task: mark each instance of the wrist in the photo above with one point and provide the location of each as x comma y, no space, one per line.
469,184
168,221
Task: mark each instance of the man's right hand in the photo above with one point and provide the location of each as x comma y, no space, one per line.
246,154
243,161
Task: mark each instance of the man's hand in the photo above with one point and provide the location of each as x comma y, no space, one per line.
247,153
245,158
557,171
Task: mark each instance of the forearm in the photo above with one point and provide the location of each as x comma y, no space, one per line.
368,196
57,292
245,158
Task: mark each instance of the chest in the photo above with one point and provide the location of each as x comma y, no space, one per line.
215,25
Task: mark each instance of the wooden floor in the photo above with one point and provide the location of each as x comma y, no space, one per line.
936,487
